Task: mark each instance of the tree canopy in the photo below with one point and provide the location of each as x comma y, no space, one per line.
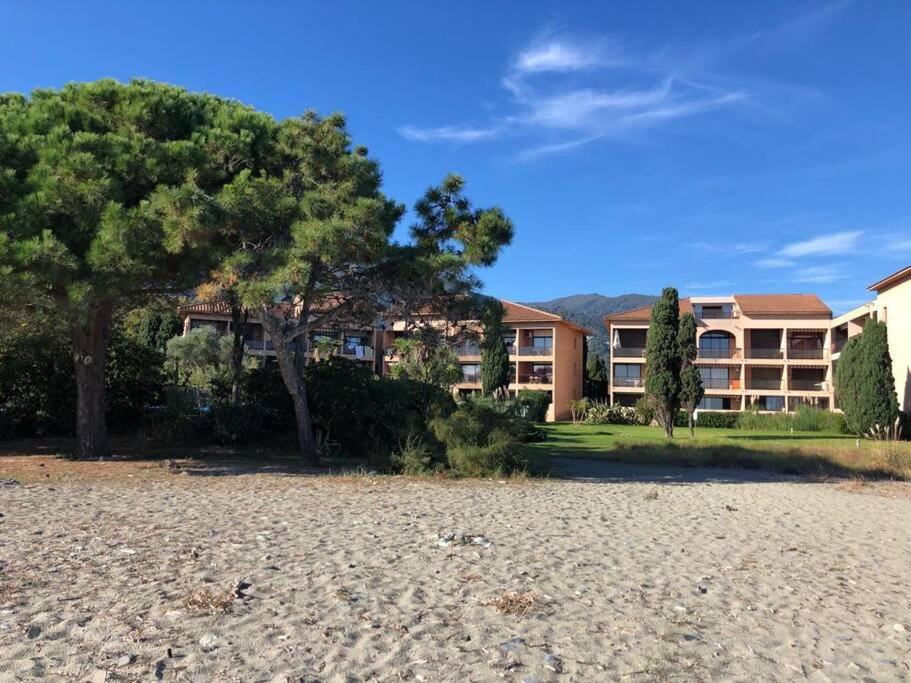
691,390
662,359
495,368
864,383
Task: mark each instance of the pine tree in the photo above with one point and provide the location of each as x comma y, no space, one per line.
495,368
864,383
691,390
596,376
662,359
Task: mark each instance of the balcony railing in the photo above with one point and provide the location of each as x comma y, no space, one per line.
628,352
807,385
537,378
471,378
729,352
536,350
259,345
764,384
467,349
357,350
755,352
716,315
807,354
627,382
719,383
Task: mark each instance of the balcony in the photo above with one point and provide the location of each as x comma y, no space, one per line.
709,314
536,350
624,352
765,354
764,384
537,378
467,349
718,383
806,354
716,353
258,345
471,378
807,385
627,382
359,351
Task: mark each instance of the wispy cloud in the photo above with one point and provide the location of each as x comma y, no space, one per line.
567,91
557,55
824,245
446,133
901,245
775,263
820,274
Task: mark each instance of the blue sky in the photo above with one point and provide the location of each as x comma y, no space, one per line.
719,147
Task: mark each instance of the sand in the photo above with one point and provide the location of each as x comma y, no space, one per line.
632,574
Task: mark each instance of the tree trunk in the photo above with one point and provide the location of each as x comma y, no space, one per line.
238,326
90,343
294,382
692,426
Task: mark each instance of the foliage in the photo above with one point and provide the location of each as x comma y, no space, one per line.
864,384
202,358
578,409
644,412
426,361
691,390
662,358
413,457
495,366
533,404
602,413
710,419
135,380
234,423
155,327
596,379
181,419
110,192
480,441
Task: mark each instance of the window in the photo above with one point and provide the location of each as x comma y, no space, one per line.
542,372
471,372
771,402
715,340
624,371
509,338
714,403
715,378
540,341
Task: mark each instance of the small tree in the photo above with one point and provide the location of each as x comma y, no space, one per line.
864,383
596,376
495,370
662,360
691,390
423,360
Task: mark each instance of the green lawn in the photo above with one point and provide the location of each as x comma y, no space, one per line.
816,453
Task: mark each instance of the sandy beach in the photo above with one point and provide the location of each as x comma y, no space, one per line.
626,574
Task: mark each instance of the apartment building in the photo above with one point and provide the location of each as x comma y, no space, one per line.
351,341
769,352
545,350
545,354
892,305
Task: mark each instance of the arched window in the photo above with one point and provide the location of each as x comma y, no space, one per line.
716,345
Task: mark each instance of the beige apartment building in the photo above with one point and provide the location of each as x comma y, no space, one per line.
545,350
892,306
545,354
768,352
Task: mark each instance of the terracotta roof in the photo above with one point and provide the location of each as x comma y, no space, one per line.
644,312
895,278
784,304
520,313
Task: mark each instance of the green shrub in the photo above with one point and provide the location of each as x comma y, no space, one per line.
644,412
533,404
711,419
804,419
480,441
237,423
181,419
414,456
601,413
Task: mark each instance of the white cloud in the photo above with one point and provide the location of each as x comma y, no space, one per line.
775,263
559,56
824,245
820,274
535,152
446,133
901,245
575,108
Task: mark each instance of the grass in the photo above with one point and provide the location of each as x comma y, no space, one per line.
802,453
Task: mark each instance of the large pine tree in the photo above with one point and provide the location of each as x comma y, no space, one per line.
864,384
662,360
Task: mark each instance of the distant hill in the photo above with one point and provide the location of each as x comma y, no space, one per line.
589,310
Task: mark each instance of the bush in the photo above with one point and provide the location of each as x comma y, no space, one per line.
533,404
644,412
182,419
710,419
481,441
804,419
600,413
413,457
237,423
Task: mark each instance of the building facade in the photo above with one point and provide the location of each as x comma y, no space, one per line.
545,350
892,306
766,352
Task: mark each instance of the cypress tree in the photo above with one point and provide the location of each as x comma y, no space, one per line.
494,358
691,390
596,376
662,360
864,384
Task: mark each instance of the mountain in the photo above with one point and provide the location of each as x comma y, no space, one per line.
589,310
